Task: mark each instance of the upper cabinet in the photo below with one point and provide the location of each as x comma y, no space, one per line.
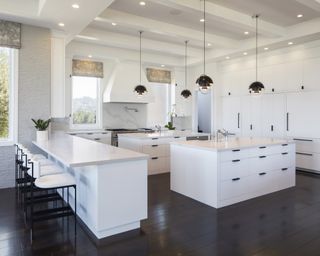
183,106
124,78
311,74
231,118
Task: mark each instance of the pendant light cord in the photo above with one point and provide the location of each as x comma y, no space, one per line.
140,55
186,65
257,16
204,37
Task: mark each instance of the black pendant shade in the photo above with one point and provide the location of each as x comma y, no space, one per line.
204,82
256,87
140,89
186,93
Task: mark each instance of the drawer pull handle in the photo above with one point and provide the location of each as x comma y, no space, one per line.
154,146
89,133
304,154
235,179
263,173
303,140
262,156
284,145
286,153
104,133
154,138
154,158
284,169
96,138
263,147
236,150
177,137
235,161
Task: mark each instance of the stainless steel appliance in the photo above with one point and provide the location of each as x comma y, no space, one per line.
115,132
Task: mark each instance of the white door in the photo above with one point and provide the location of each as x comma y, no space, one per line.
303,119
231,115
251,116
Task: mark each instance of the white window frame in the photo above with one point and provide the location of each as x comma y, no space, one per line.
98,124
13,101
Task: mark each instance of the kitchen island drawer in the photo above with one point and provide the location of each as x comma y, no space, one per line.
235,168
155,150
235,154
157,165
235,187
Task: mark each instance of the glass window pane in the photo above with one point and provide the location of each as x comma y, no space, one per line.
84,100
4,92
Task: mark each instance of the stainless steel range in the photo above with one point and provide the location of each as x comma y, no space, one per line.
115,132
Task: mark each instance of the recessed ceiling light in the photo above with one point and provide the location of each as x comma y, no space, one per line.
142,3
299,15
75,6
209,44
201,20
163,65
227,57
246,33
114,24
245,53
61,24
290,43
266,48
89,56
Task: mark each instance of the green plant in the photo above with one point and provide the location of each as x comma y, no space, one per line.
170,126
41,125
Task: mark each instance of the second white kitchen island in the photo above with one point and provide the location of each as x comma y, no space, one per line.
223,173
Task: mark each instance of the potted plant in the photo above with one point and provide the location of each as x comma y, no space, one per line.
42,126
169,126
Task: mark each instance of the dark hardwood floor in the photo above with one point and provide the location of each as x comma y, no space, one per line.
282,223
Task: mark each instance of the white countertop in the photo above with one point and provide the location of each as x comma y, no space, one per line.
74,151
233,143
87,131
162,134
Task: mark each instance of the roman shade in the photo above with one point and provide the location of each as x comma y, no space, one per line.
87,68
159,76
10,34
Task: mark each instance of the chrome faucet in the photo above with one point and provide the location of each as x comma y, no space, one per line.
158,127
224,133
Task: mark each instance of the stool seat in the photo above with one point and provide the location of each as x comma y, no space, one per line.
49,169
55,181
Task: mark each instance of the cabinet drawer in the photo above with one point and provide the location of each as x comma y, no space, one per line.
235,169
154,150
235,187
158,165
285,178
272,162
273,149
307,145
235,154
263,182
309,161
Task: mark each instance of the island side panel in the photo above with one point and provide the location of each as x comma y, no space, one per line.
194,173
122,196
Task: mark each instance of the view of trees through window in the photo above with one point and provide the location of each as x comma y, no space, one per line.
4,92
84,100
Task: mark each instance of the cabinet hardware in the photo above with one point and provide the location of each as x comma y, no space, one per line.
262,147
284,145
304,154
177,137
302,87
235,179
306,140
238,120
96,138
262,156
154,158
287,121
104,133
285,153
89,133
251,126
154,146
229,93
262,173
154,138
237,160
235,150
272,128
284,169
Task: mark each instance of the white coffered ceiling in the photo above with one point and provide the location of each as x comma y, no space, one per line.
168,23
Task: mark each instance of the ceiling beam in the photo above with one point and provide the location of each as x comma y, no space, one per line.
162,28
228,16
313,4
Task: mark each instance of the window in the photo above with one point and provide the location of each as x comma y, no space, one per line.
86,104
8,108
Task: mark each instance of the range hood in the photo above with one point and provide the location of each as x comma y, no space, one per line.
120,87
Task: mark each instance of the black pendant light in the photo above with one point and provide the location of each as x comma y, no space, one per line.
186,93
205,82
140,89
256,87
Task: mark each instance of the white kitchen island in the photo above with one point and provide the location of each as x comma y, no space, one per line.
223,173
111,182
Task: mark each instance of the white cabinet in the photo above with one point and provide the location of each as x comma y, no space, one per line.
102,137
183,106
302,117
273,112
251,116
311,74
231,117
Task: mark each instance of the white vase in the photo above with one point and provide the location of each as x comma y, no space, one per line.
42,135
